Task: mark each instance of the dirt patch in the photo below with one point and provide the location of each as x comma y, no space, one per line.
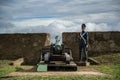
17,62
56,73
87,68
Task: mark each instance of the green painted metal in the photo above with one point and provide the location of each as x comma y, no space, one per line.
41,67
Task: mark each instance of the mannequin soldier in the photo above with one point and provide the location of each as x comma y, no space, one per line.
83,44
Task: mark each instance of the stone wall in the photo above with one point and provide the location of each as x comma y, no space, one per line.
99,43
70,40
28,46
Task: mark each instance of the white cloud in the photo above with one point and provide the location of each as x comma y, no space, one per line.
43,22
57,26
33,22
98,27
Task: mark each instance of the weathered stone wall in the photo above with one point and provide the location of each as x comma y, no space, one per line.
99,42
70,40
28,46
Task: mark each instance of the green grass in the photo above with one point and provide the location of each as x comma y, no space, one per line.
5,68
111,58
59,78
110,64
113,70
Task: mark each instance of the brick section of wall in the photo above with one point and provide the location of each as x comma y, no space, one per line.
28,46
99,43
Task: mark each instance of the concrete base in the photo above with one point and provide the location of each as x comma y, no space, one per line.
83,63
93,61
60,66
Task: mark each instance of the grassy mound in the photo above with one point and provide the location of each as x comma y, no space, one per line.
113,58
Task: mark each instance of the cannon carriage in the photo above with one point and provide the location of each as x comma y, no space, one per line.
57,57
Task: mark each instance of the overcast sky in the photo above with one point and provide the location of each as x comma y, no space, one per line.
57,16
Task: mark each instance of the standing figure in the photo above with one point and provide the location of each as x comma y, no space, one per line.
83,44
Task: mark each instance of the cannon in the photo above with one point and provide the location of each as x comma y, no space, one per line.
57,57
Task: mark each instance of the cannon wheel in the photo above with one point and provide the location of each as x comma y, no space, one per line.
68,50
44,50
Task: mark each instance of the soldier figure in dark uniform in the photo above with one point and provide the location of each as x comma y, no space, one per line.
83,45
